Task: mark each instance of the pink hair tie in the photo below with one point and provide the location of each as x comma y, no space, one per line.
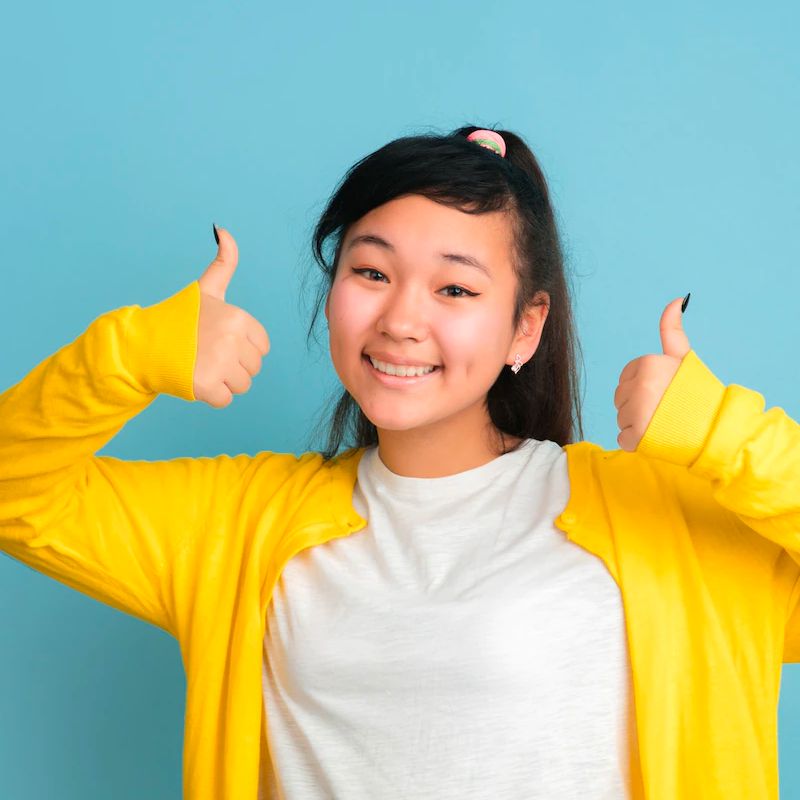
489,139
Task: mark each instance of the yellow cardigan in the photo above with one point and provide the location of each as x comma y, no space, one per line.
700,528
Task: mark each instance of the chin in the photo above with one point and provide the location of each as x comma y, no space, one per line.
399,428
393,423
396,421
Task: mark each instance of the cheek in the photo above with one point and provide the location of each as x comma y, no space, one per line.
476,341
347,316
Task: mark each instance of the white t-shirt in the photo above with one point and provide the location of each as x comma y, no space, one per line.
459,646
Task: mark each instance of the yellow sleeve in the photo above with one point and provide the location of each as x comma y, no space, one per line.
791,647
750,456
109,528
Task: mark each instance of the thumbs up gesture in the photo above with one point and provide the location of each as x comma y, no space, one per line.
230,342
643,381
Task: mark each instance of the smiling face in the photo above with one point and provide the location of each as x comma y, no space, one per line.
424,284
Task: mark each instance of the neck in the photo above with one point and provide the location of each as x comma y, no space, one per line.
442,449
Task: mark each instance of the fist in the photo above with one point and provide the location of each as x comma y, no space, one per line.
643,381
230,342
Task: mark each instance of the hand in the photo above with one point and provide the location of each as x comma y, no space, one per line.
230,342
643,381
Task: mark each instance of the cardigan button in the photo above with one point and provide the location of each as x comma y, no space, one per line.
569,518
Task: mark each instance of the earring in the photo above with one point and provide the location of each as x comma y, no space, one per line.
517,363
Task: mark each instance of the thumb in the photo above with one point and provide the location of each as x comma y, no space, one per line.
674,341
218,274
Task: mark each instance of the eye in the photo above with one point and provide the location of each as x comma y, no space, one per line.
368,269
464,292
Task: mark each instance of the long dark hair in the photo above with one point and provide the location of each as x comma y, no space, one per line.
542,401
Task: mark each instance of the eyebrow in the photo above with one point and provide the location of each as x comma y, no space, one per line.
455,258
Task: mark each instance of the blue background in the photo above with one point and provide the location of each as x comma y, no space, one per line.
669,137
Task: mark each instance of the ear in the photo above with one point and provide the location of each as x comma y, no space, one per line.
529,331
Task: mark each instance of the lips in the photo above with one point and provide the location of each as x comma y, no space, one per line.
399,361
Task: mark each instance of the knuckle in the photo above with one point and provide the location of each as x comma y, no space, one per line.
651,360
239,320
226,343
217,400
235,320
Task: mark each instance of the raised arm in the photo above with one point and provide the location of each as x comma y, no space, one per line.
672,408
116,529
750,455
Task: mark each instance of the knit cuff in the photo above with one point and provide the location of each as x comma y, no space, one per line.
161,343
683,418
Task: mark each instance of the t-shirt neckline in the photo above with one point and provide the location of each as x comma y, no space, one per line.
459,481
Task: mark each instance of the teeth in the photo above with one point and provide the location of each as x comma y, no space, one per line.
405,372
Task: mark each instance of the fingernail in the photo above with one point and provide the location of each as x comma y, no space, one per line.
685,302
215,232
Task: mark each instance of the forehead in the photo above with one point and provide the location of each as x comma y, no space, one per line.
413,223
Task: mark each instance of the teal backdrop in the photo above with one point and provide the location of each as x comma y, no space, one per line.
669,135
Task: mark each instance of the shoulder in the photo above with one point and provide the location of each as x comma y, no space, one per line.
605,480
309,488
588,461
631,490
305,472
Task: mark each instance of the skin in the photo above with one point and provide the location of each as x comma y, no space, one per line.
407,305
644,381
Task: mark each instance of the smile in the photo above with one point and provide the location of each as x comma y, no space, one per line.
393,375
400,369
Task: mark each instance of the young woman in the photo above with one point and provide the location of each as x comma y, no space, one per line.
464,602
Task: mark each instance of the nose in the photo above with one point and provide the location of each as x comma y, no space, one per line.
403,316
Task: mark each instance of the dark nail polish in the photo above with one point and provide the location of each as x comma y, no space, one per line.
215,232
685,302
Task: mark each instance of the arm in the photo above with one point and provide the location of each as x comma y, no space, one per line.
722,433
109,528
750,456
